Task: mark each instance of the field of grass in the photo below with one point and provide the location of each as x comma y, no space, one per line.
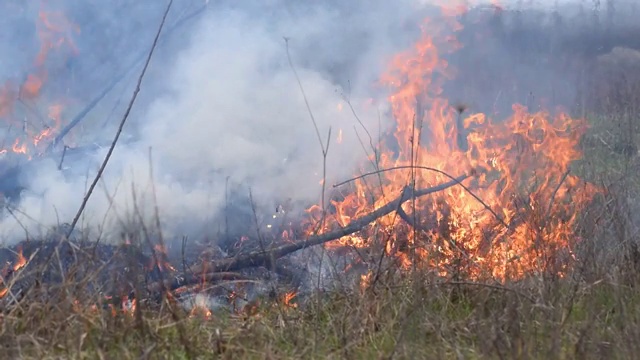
409,318
592,312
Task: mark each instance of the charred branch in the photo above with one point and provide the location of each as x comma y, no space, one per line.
268,258
136,265
412,221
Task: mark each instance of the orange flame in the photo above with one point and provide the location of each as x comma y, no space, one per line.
161,255
54,32
522,164
20,262
31,87
19,148
129,306
365,281
200,308
288,298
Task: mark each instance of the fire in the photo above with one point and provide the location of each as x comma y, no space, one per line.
54,31
20,103
20,262
129,306
19,148
365,281
79,308
523,202
161,255
287,299
31,87
200,307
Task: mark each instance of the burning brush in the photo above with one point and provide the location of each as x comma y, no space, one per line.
498,202
513,217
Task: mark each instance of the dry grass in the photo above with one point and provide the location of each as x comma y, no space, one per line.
408,318
593,312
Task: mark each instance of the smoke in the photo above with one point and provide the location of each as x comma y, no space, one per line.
222,112
223,106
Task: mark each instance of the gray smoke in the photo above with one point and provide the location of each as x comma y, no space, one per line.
221,103
222,108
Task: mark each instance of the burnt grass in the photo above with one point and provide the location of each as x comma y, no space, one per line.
67,301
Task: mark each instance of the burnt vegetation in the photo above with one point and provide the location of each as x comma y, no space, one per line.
248,291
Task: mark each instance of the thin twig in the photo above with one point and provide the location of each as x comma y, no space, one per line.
306,102
87,109
323,147
64,152
265,259
486,206
121,126
555,191
411,220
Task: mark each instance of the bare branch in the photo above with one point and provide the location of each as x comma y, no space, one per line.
122,122
267,258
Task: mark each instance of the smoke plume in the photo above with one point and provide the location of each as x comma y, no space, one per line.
222,106
222,112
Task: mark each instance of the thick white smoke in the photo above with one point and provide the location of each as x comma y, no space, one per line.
232,108
221,102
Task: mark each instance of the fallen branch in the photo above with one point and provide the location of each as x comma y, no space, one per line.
268,258
486,206
132,101
411,221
